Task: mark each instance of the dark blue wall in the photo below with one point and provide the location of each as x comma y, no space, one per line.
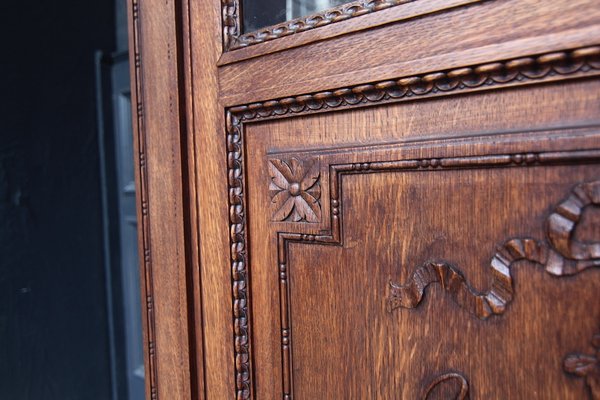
53,324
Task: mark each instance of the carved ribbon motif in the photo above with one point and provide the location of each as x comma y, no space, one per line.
586,366
560,255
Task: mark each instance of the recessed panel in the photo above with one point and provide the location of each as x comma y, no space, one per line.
347,342
432,247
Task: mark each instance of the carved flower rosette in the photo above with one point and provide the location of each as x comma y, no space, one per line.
295,190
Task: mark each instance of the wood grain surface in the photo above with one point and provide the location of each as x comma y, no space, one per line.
402,204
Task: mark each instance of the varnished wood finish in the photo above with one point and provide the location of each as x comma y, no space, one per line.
402,204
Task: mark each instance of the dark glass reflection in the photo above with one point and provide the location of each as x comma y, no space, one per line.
261,13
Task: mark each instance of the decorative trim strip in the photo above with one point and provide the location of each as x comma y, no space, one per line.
239,268
232,25
235,40
144,224
570,63
582,62
563,255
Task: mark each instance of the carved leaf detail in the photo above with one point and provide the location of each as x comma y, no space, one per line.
311,177
285,203
281,175
295,190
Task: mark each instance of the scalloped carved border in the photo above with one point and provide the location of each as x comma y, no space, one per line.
582,62
232,26
144,223
234,39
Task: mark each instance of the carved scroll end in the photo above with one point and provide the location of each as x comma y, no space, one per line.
451,385
586,366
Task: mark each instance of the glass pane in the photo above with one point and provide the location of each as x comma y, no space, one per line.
260,13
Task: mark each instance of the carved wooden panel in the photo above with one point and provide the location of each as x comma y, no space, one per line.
388,199
337,241
294,309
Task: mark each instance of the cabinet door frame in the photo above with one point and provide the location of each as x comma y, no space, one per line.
165,190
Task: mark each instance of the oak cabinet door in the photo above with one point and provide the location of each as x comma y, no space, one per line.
395,200
375,258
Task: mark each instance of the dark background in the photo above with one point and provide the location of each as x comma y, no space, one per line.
53,315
